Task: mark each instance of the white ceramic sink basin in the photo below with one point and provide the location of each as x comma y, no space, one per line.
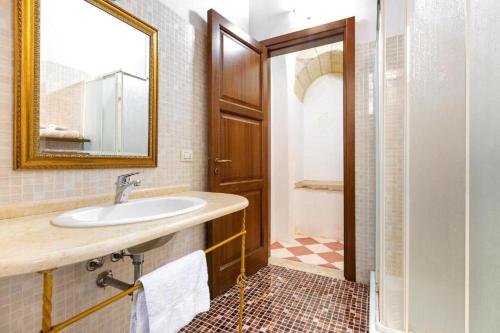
134,211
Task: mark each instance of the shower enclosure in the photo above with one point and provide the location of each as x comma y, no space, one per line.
438,158
389,280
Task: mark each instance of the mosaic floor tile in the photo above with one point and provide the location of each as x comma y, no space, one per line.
282,300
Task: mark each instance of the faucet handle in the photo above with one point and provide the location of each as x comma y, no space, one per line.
123,179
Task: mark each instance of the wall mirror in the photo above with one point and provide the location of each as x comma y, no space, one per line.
85,86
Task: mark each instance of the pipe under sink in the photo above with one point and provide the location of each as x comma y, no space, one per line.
136,253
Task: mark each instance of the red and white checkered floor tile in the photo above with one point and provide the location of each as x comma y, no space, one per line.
311,250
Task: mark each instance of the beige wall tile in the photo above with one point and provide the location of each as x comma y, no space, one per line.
182,124
365,162
393,154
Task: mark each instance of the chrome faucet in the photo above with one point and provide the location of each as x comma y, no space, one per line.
124,186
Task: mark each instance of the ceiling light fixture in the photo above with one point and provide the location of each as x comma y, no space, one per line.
300,14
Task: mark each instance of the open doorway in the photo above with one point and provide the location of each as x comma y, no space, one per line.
307,178
312,150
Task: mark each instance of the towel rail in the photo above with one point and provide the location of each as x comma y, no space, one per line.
47,326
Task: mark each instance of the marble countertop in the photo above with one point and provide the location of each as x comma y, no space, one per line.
31,243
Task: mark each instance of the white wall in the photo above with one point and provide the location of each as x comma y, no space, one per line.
280,216
437,166
195,11
273,18
324,129
304,140
319,213
286,146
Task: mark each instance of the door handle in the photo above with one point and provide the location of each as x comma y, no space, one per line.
218,160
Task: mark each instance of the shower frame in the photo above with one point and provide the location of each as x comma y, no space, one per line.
378,282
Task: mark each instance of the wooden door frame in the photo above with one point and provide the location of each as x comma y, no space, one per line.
342,30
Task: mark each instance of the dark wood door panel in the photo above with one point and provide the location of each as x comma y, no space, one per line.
224,263
223,278
241,110
238,147
241,72
241,141
230,253
240,186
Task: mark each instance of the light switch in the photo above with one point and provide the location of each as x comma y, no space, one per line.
187,155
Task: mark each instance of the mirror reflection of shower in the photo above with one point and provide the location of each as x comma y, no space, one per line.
116,114
94,82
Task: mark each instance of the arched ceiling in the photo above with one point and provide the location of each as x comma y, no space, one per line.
313,63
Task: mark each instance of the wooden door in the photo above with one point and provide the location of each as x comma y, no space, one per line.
238,146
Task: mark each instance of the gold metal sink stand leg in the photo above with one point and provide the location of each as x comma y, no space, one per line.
47,326
47,301
242,280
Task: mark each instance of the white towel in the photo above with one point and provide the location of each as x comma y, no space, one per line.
49,132
171,296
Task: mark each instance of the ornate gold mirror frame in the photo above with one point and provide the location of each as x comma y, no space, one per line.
26,154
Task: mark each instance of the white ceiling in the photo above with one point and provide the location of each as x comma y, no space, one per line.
269,18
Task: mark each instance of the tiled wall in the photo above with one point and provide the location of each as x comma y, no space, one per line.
365,162
392,283
182,124
182,116
393,154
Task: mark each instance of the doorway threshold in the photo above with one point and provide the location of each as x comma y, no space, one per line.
308,268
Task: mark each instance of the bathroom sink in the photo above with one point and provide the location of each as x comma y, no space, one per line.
134,211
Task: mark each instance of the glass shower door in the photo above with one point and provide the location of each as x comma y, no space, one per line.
390,161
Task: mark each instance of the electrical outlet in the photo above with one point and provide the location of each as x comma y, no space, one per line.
187,155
